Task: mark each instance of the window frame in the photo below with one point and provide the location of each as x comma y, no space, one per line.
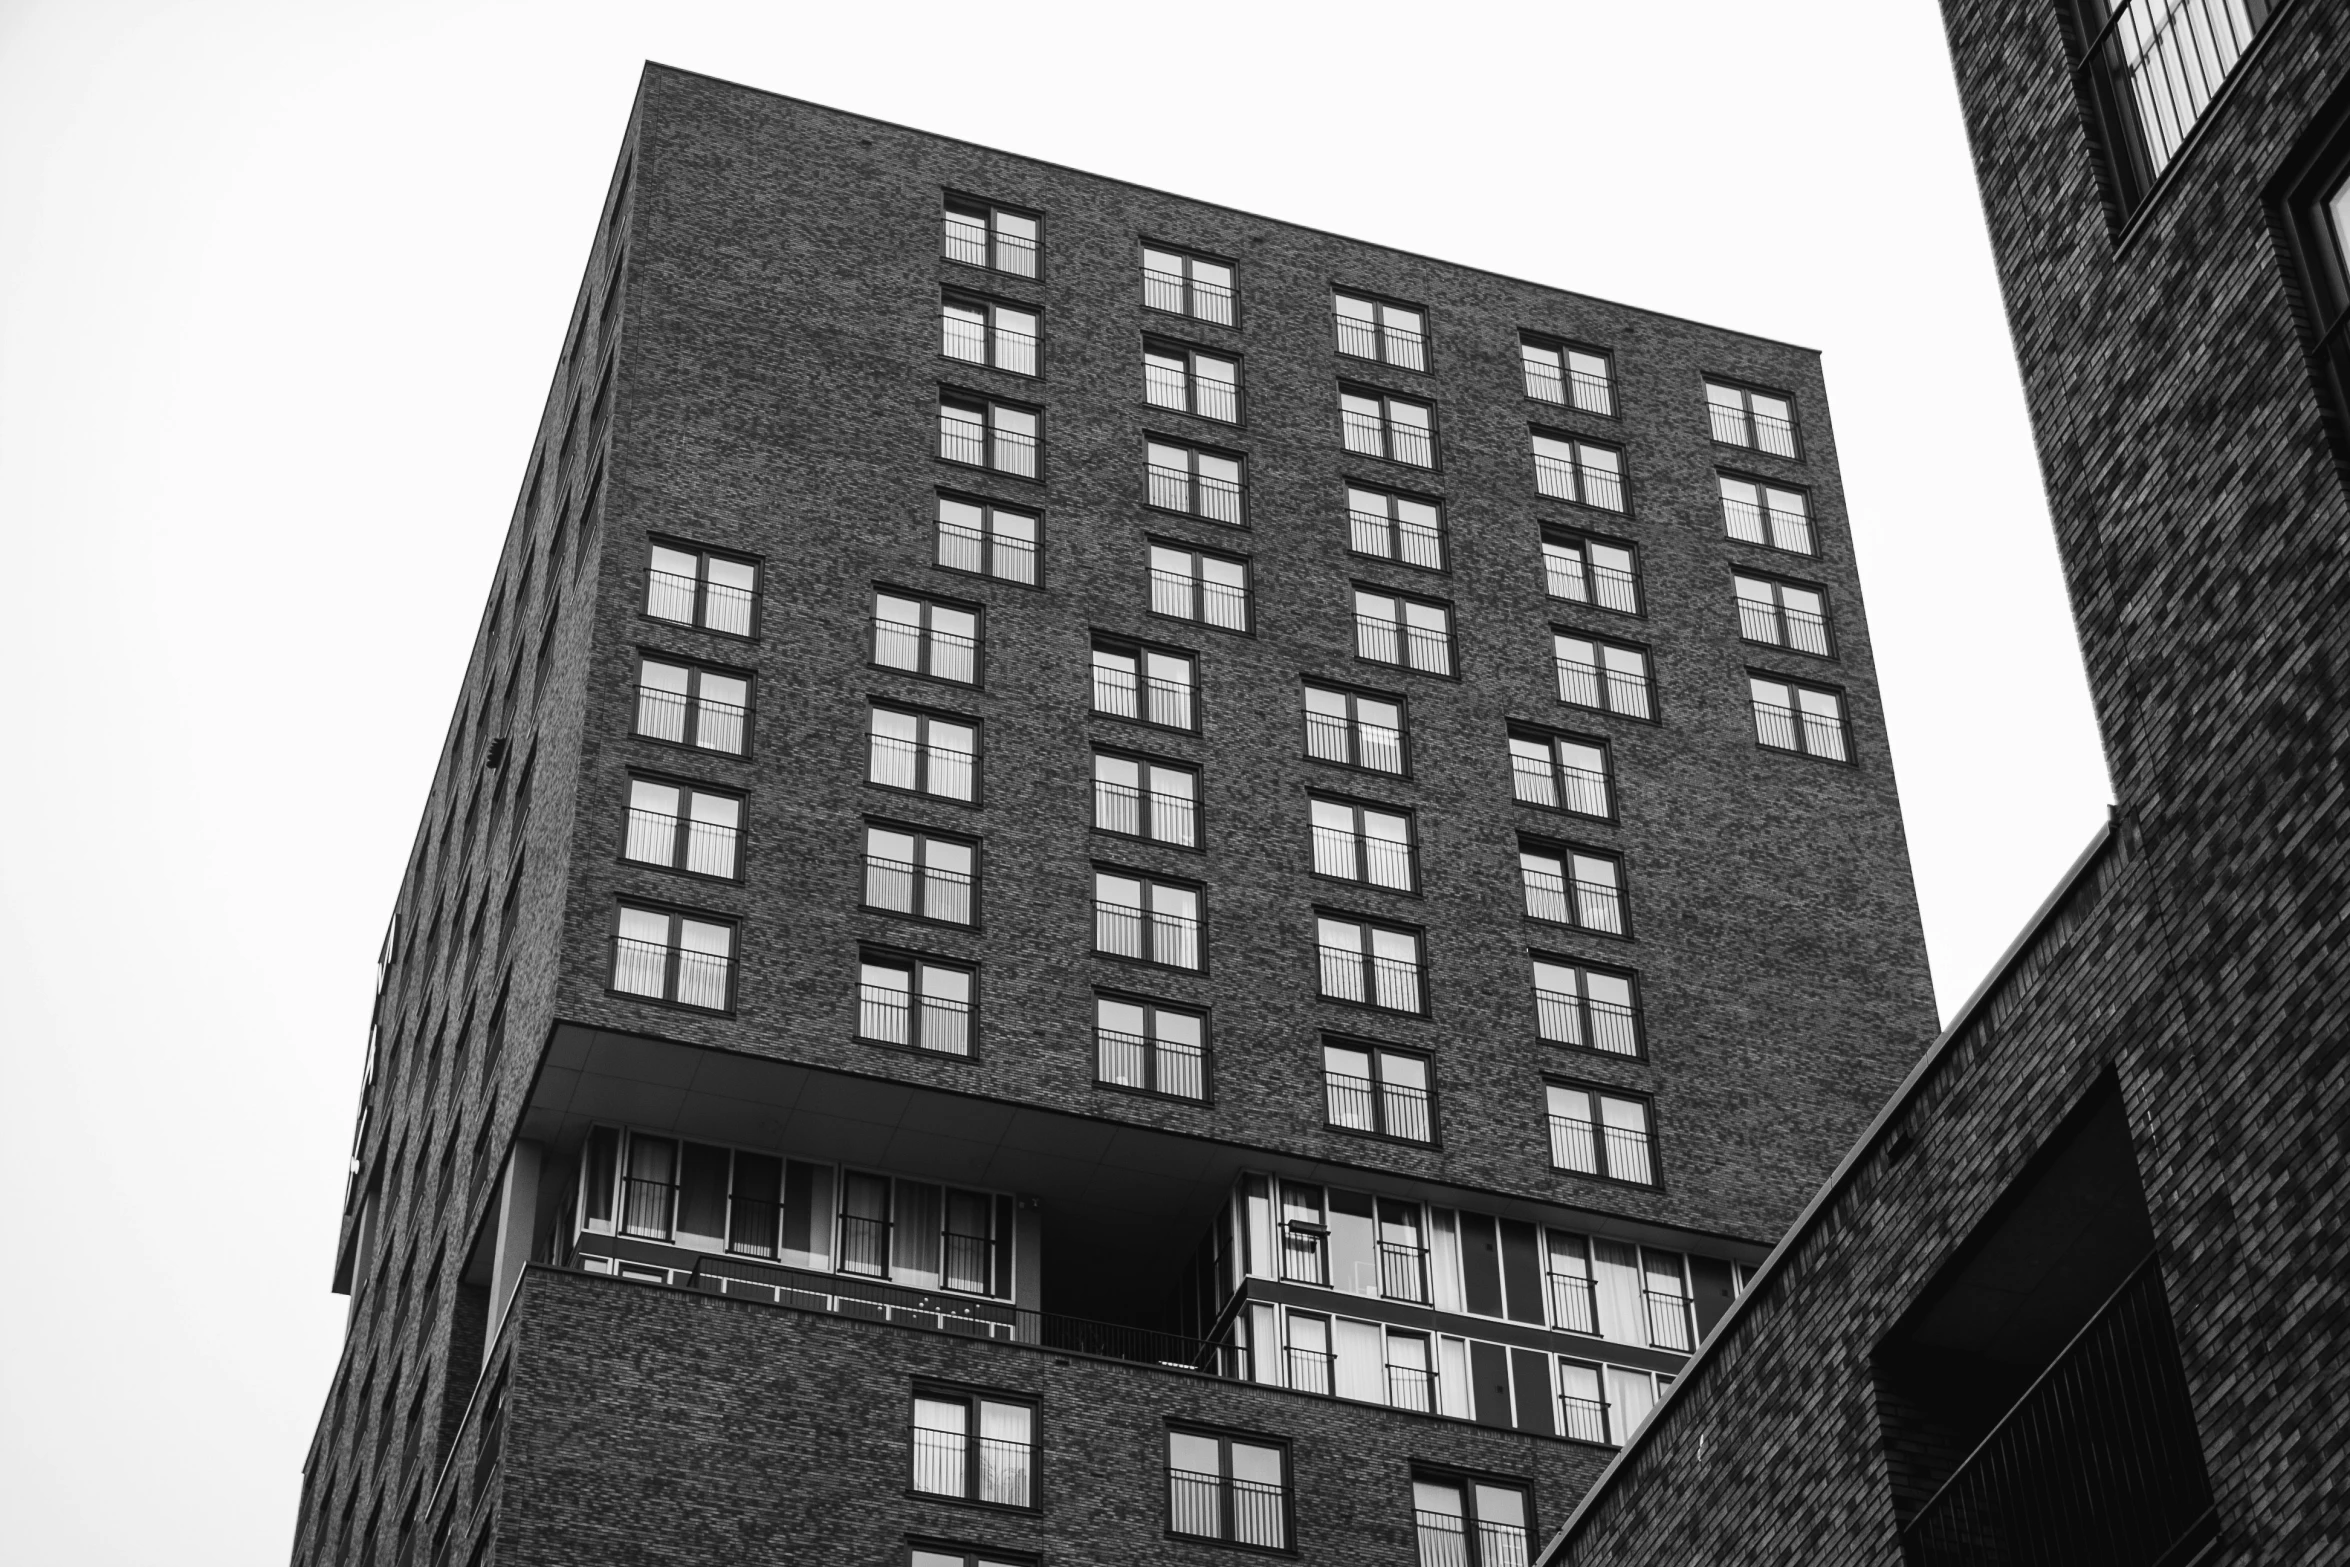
682,833
1781,617
972,1398
1795,688
1152,1006
1120,646
875,954
1387,427
989,212
1224,1437
1473,1553
966,1555
1599,645
1190,258
1403,631
1568,384
1752,422
1197,584
2120,145
920,872
923,747
1367,959
1194,485
1636,1018
1392,525
988,407
700,620
672,967
1551,740
1355,696
926,635
1378,1091
1381,333
1360,841
1577,469
1597,1091
988,537
1144,761
1768,514
1148,917
1190,354
1567,853
695,702
992,332
2319,252
1583,540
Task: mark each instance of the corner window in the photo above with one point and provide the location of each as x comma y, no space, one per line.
1767,514
1411,633
666,956
1228,1488
1147,685
1137,797
1363,843
986,540
1561,773
1764,421
1188,584
1187,285
976,1448
1594,1132
686,704
1395,428
1354,730
981,433
1469,1523
1780,614
1150,1048
982,332
1147,919
925,637
981,234
1191,381
1609,676
1573,887
693,587
916,1003
1575,377
1195,482
1584,570
683,828
1388,526
1374,329
1372,1089
1587,1008
921,874
924,754
1368,963
1806,719
1581,471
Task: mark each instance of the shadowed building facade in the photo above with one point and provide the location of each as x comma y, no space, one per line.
1113,879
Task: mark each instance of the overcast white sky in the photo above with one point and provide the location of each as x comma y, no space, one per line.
281,287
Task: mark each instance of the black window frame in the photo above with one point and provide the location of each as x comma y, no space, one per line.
1135,648
1551,739
1185,283
927,636
966,1555
1360,841
1392,526
1144,762
992,332
671,964
1473,1552
1381,333
875,954
1190,353
1606,686
989,537
1582,540
2121,144
1768,514
1782,618
1152,1006
1148,920
1578,471
1586,1021
1566,852
1802,730
695,703
1224,1437
988,407
1387,426
704,554
925,717
1355,696
1195,487
921,876
687,789
1752,422
1406,642
1569,383
2318,253
988,212
1369,961
1198,584
1599,1142
971,1398
1377,1090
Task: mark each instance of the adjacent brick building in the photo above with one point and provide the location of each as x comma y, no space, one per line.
1112,877
2078,1294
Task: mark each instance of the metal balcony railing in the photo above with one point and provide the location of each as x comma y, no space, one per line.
1118,808
1193,598
1411,1387
1567,1019
1822,734
1596,905
1544,382
1583,1419
1382,862
1122,694
1573,1305
1403,1272
1390,983
2097,1465
900,645
966,239
963,548
1205,495
653,840
1311,1370
653,968
1387,642
943,1466
1444,1542
1729,422
906,888
1668,1320
1585,684
1014,452
700,721
1166,386
889,1016
1575,1145
1365,433
1199,1504
753,1225
1166,1066
1126,931
1539,781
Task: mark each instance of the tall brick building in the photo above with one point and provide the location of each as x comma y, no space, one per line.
1112,879
2078,1294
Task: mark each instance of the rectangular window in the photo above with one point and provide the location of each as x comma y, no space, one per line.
1144,684
1373,329
685,958
1764,421
921,874
1354,730
1370,1089
985,235
927,755
1469,1523
1362,843
981,433
1155,921
1584,570
986,540
1605,675
1593,1132
686,704
1573,377
1588,1008
1580,471
1150,1048
924,637
1191,381
931,1556
1194,482
1603,1404
1789,717
1194,585
1136,797
915,1003
1561,773
1373,965
1187,285
1413,633
1387,526
1228,1488
2313,206
696,588
1395,428
1572,887
982,332
1305,1238
1780,614
683,828
978,1448
1766,514
2149,71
